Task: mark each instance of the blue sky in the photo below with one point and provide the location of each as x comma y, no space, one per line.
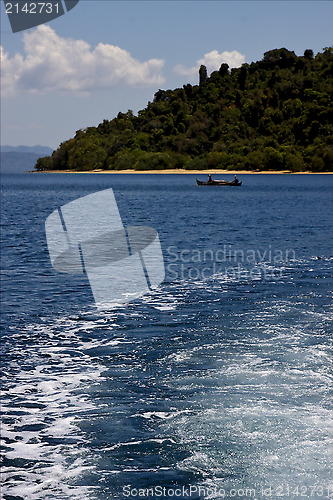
107,56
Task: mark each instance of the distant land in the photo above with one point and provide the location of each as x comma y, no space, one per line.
40,150
275,114
19,159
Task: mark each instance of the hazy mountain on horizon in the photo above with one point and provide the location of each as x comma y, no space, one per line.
20,159
40,150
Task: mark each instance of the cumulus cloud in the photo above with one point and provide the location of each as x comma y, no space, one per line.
52,63
212,60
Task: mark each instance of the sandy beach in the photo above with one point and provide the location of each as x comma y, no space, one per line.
180,171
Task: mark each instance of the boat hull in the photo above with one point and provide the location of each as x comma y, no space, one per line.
219,183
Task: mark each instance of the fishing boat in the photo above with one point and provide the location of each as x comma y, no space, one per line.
235,182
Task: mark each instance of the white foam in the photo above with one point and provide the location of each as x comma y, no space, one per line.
49,467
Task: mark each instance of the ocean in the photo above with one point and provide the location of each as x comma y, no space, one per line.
215,384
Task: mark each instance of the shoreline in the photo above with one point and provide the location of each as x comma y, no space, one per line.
180,171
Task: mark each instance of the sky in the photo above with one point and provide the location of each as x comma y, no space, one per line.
106,56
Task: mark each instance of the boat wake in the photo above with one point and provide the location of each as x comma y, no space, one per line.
219,383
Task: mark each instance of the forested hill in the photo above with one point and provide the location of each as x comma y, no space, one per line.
274,114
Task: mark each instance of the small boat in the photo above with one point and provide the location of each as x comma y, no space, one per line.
219,183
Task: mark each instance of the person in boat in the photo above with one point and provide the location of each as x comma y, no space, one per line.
235,180
210,180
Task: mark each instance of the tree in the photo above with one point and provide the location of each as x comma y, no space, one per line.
242,76
224,69
308,54
202,74
280,57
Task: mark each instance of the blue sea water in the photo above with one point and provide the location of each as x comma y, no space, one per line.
216,384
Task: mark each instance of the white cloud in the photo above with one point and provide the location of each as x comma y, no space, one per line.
53,63
212,60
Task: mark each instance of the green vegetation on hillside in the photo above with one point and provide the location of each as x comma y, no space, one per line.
274,114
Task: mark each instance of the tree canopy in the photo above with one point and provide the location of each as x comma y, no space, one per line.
273,114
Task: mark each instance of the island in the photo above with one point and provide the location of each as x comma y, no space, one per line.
275,114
